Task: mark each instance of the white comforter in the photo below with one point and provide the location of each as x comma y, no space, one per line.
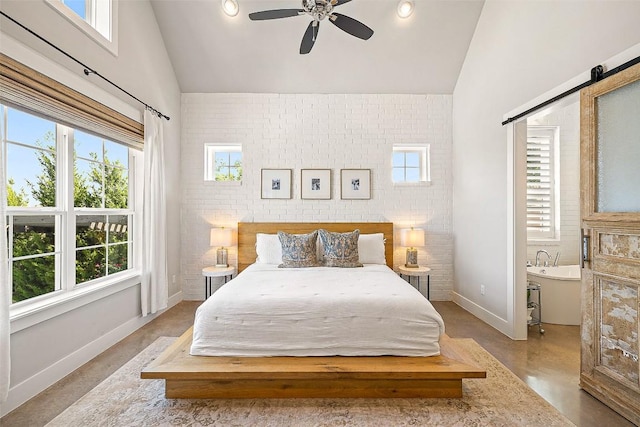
320,311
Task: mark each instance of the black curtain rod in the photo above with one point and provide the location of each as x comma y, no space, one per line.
87,70
597,74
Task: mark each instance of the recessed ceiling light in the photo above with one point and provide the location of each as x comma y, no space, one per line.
230,7
405,8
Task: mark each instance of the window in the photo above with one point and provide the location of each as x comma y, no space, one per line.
97,18
79,7
542,182
410,163
67,226
222,162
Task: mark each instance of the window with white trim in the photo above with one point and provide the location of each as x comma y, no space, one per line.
410,163
70,205
542,182
222,162
97,18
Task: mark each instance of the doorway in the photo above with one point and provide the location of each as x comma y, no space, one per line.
551,234
553,213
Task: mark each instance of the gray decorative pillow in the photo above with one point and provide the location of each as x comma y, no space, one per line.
298,250
340,249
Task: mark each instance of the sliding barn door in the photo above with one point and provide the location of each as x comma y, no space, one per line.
610,192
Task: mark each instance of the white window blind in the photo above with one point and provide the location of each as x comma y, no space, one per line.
541,182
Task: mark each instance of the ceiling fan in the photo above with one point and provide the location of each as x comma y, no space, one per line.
318,10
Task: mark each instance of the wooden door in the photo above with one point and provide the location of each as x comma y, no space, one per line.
610,193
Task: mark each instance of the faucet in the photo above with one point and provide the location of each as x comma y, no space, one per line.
538,258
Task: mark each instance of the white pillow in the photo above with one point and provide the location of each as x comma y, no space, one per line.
268,248
371,249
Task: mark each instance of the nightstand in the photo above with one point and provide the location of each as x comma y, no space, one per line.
210,272
415,272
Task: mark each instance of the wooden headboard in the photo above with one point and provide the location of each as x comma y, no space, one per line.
247,235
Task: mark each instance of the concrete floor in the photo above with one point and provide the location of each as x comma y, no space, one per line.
548,363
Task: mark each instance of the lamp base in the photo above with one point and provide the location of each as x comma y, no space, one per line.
412,258
221,258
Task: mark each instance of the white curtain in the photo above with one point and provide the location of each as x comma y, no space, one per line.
5,289
154,287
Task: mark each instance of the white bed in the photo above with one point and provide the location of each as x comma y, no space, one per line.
317,311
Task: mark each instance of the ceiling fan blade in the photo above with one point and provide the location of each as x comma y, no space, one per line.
339,2
309,37
274,14
351,26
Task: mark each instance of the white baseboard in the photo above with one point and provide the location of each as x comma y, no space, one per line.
174,299
483,314
29,388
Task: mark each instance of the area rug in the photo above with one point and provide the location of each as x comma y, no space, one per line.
124,399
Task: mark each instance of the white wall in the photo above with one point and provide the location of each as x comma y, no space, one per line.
47,351
316,131
567,118
520,50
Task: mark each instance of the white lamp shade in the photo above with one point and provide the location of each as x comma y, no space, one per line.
412,237
221,237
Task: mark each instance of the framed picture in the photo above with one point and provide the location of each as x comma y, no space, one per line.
315,184
355,184
276,184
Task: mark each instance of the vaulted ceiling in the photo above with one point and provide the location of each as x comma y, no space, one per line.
214,53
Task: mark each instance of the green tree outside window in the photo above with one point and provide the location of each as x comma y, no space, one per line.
105,186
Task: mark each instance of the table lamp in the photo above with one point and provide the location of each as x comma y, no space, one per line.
221,237
412,237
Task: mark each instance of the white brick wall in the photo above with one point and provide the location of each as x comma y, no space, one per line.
568,119
316,131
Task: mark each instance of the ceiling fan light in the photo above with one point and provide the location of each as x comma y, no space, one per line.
405,8
230,7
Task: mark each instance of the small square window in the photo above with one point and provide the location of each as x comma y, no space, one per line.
410,163
96,18
222,162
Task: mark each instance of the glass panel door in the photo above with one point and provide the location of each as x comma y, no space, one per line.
618,150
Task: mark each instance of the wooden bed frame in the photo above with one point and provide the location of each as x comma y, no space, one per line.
247,235
198,377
